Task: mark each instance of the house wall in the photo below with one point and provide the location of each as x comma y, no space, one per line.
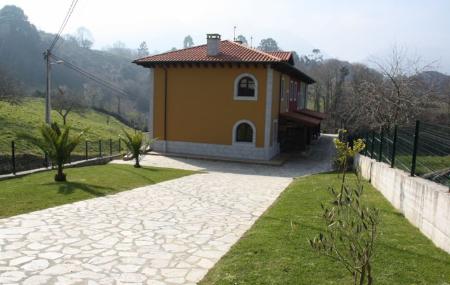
275,102
201,110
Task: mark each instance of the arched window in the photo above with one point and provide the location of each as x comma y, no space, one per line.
245,87
244,131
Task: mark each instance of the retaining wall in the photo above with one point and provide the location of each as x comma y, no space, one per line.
424,203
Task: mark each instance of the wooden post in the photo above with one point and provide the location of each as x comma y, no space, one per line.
100,148
86,152
13,157
110,148
46,160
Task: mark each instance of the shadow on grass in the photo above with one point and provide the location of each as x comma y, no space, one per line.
413,254
135,173
68,188
383,245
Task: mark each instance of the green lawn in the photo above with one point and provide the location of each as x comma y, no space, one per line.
39,191
276,250
28,116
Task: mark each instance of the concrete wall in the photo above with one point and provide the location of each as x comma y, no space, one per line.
424,203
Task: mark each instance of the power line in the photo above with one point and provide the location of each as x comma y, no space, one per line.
92,77
64,23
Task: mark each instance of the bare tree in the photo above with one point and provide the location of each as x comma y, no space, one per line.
400,97
84,38
66,102
142,50
10,89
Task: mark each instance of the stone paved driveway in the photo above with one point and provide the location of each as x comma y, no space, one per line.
168,233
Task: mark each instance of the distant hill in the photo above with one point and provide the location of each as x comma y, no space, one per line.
21,55
439,81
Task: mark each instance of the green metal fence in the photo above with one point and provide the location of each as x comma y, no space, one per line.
422,149
20,158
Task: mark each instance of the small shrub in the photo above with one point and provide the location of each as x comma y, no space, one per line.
57,144
136,145
345,152
351,226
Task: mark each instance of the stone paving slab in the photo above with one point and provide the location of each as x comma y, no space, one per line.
167,233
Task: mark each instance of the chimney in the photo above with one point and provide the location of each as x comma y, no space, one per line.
213,44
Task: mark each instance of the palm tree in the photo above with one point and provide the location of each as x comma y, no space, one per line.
135,144
57,144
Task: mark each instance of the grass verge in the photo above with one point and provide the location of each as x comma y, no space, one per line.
39,191
276,250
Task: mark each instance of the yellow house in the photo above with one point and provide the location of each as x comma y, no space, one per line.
224,99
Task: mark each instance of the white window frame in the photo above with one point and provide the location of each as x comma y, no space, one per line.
236,88
253,143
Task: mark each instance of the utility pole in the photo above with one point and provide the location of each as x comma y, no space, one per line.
234,33
48,105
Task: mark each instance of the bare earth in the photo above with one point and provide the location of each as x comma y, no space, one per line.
167,233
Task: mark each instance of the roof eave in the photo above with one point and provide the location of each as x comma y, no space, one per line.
293,71
281,66
187,62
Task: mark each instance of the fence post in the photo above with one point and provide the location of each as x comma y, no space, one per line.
380,155
86,152
416,145
13,157
394,147
100,148
110,148
372,145
46,160
120,147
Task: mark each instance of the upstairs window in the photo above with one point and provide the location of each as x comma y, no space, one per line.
245,87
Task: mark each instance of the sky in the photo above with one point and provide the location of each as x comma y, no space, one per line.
353,30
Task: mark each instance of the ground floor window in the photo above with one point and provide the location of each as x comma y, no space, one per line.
244,132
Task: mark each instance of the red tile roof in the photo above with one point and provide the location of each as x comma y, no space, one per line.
229,52
283,55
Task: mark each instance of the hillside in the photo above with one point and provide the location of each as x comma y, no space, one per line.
21,56
28,116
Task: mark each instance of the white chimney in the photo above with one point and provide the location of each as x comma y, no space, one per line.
213,44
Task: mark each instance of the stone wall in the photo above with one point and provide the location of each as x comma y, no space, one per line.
238,151
424,203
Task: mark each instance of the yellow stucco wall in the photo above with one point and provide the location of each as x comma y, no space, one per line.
201,107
